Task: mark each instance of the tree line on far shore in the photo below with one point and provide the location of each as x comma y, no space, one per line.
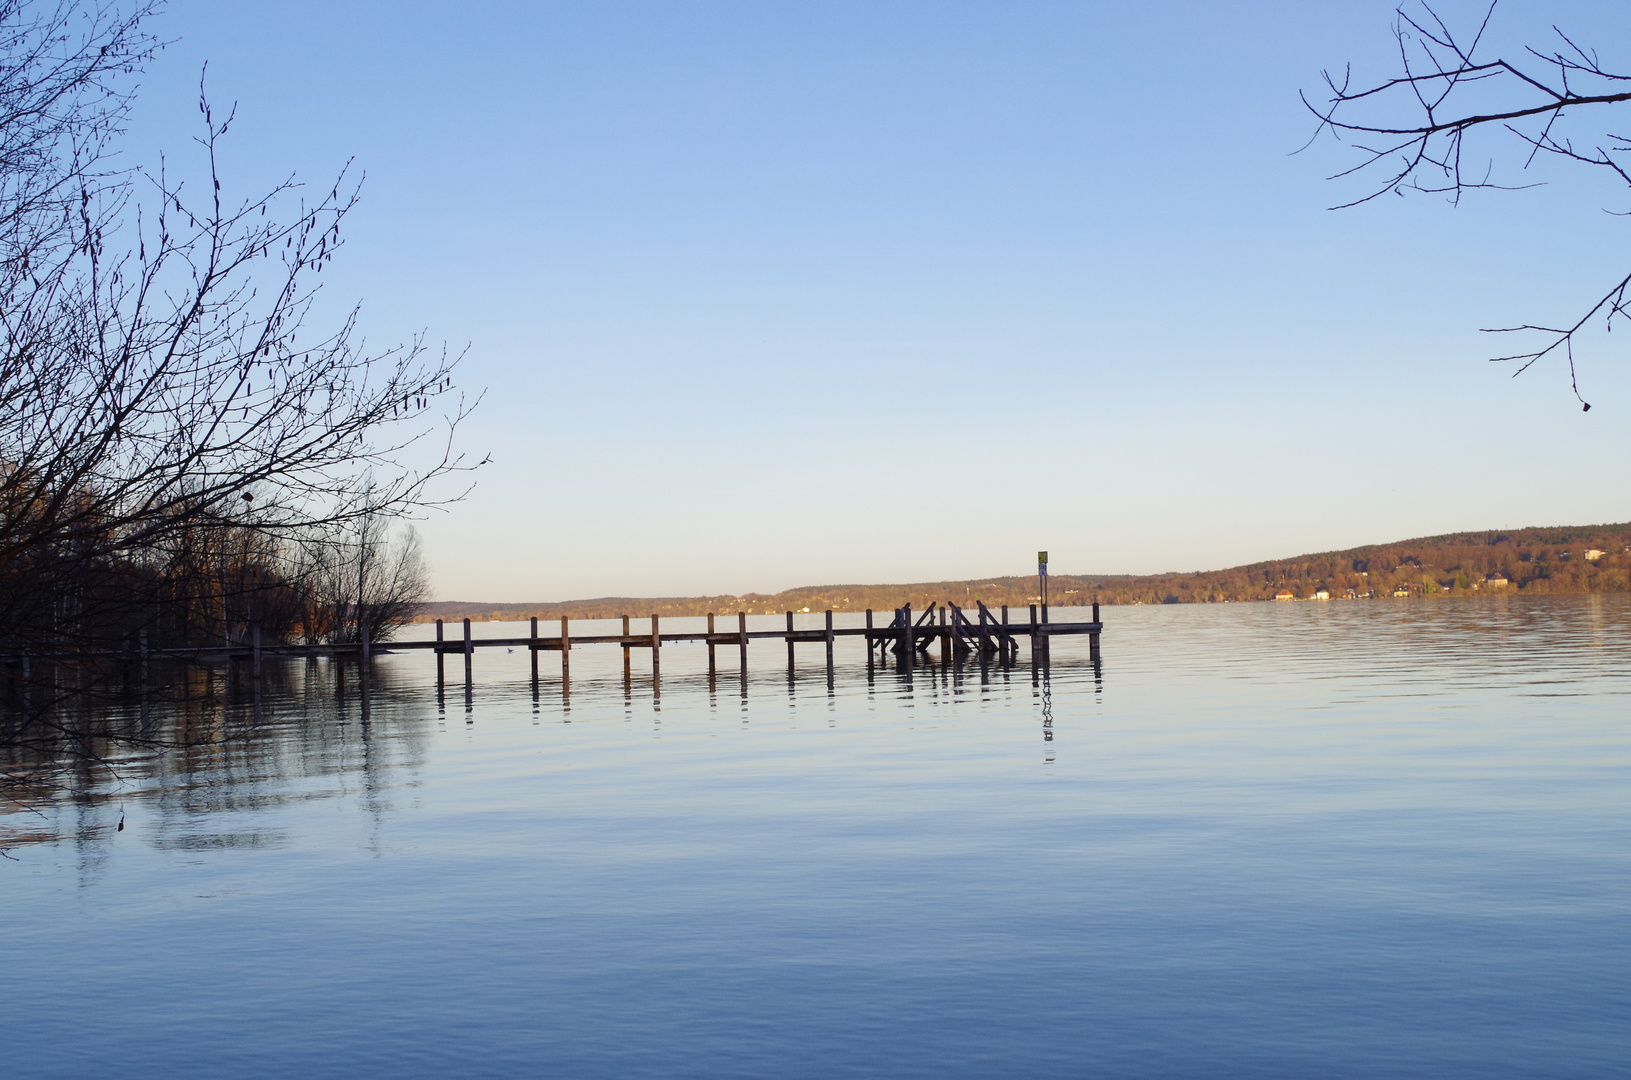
1536,561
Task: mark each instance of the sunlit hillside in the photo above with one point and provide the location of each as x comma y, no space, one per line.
1571,559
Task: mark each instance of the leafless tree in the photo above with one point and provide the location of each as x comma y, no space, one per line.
165,406
366,582
1413,132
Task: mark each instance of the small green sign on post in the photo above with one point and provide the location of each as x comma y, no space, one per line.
1042,580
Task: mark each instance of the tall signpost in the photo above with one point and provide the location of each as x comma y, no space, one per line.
1042,579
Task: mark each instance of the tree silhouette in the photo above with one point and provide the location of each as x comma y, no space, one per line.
166,403
1413,131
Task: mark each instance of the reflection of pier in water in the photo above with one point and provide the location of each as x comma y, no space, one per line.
202,740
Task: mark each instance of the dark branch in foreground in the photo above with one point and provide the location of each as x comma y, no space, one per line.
1412,131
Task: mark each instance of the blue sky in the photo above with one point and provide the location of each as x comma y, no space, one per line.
769,294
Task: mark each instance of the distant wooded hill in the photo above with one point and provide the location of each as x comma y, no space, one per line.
1573,559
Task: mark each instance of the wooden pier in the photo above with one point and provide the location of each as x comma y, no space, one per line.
908,637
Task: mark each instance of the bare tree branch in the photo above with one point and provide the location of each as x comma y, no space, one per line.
1411,130
177,435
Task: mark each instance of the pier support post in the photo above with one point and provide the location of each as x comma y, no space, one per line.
829,649
711,666
532,647
869,640
441,669
906,638
742,640
566,651
625,650
469,651
789,642
656,645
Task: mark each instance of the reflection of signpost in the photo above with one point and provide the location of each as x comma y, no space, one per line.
1042,579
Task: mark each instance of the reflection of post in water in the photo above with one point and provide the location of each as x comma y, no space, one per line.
1045,692
1047,722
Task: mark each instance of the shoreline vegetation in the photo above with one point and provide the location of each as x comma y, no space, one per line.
1531,561
194,452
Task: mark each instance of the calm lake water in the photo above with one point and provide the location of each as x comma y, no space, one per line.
1372,839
